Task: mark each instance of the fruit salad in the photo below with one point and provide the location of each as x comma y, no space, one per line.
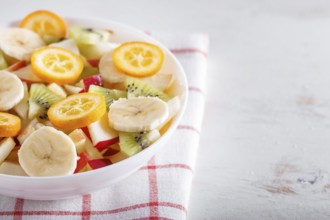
73,100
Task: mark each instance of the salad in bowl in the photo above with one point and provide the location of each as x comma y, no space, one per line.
83,103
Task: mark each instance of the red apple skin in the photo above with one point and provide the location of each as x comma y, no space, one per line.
110,152
99,163
94,63
16,66
85,130
82,162
93,80
104,144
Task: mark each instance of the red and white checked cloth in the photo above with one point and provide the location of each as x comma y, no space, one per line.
161,188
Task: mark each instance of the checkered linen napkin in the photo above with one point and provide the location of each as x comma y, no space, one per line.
161,188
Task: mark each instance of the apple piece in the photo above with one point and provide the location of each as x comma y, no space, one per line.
92,151
23,106
16,66
92,80
69,44
26,74
13,155
87,72
96,51
6,146
73,89
3,62
161,81
54,87
99,163
102,134
79,139
111,151
10,168
28,130
85,130
174,105
82,162
94,62
118,157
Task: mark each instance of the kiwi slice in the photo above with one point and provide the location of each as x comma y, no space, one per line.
133,142
41,98
135,88
110,95
88,36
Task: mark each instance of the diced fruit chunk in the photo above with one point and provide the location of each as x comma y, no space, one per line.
83,144
118,157
96,51
28,130
68,44
92,80
6,146
111,151
23,106
16,66
136,88
73,89
101,134
110,95
41,98
88,36
99,163
132,143
57,89
26,74
13,156
3,62
82,162
88,71
79,139
10,168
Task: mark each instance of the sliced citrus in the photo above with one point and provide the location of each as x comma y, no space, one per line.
55,64
10,125
48,25
76,111
138,58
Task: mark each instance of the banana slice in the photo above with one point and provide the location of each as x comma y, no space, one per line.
48,152
137,114
11,90
19,42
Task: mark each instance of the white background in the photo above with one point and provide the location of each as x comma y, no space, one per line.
265,143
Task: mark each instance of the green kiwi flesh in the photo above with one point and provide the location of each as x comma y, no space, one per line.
41,98
110,95
135,88
133,142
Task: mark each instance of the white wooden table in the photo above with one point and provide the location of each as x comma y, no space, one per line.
265,143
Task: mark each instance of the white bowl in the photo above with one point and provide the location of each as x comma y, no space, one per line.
52,188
